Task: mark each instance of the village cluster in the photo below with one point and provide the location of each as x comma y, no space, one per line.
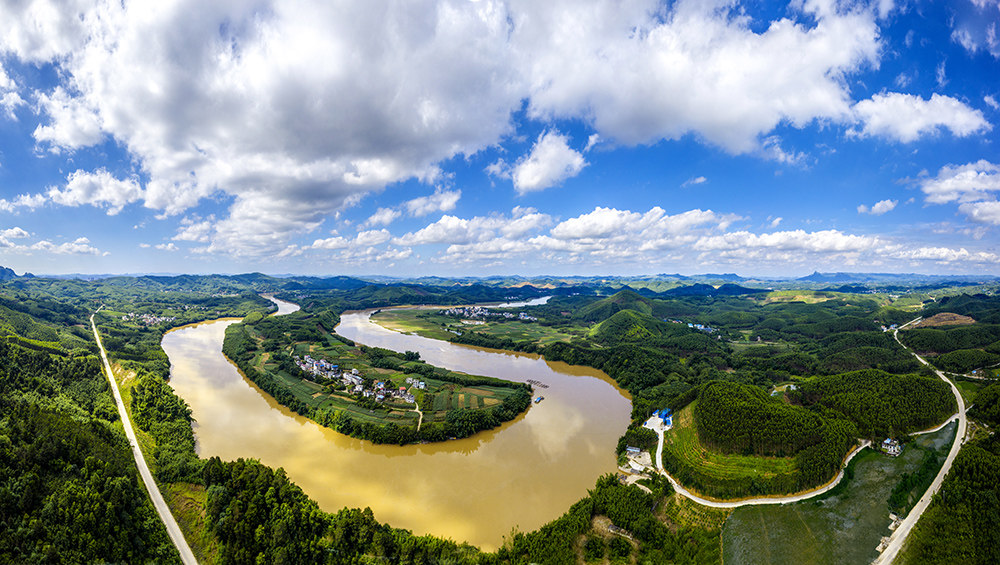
699,327
355,382
480,312
147,319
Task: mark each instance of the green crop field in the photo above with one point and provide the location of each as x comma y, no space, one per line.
969,390
429,323
682,440
443,396
843,528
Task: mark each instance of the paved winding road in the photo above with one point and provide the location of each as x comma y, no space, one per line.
749,501
147,478
899,536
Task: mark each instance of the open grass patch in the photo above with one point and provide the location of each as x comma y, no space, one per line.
685,513
187,503
682,446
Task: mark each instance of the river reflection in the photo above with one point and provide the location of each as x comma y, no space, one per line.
522,474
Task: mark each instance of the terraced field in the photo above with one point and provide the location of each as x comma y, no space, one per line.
683,442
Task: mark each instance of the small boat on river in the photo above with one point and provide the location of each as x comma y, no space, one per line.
539,399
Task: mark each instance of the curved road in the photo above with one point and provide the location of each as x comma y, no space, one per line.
187,557
750,501
899,536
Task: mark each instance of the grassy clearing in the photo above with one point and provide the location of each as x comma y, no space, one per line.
809,297
683,442
679,510
429,323
187,503
968,390
842,528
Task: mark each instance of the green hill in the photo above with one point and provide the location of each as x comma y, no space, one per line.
627,325
623,300
765,426
882,404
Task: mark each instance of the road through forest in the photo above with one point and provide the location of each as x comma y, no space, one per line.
899,536
173,530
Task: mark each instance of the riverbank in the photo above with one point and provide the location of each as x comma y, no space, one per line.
367,393
551,454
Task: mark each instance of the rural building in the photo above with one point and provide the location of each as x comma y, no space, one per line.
891,447
666,416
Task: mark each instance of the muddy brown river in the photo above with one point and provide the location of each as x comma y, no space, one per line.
520,475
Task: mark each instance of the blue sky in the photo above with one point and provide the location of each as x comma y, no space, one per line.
477,138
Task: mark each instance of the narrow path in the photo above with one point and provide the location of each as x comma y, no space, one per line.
899,536
679,489
417,410
173,530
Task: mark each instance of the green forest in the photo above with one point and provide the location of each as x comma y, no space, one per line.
70,493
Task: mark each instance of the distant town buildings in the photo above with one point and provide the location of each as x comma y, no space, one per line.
147,319
479,312
699,327
323,368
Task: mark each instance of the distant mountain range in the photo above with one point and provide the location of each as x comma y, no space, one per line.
893,278
837,281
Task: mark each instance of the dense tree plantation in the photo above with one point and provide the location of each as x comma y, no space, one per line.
986,406
881,404
961,525
765,426
69,490
827,416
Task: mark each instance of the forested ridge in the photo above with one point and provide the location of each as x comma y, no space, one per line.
738,418
960,526
69,489
881,404
826,417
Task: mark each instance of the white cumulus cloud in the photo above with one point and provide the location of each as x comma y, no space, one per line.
964,183
98,188
879,208
383,217
982,212
73,123
440,201
906,118
550,162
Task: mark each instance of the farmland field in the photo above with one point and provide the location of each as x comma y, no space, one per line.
841,528
441,396
429,323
